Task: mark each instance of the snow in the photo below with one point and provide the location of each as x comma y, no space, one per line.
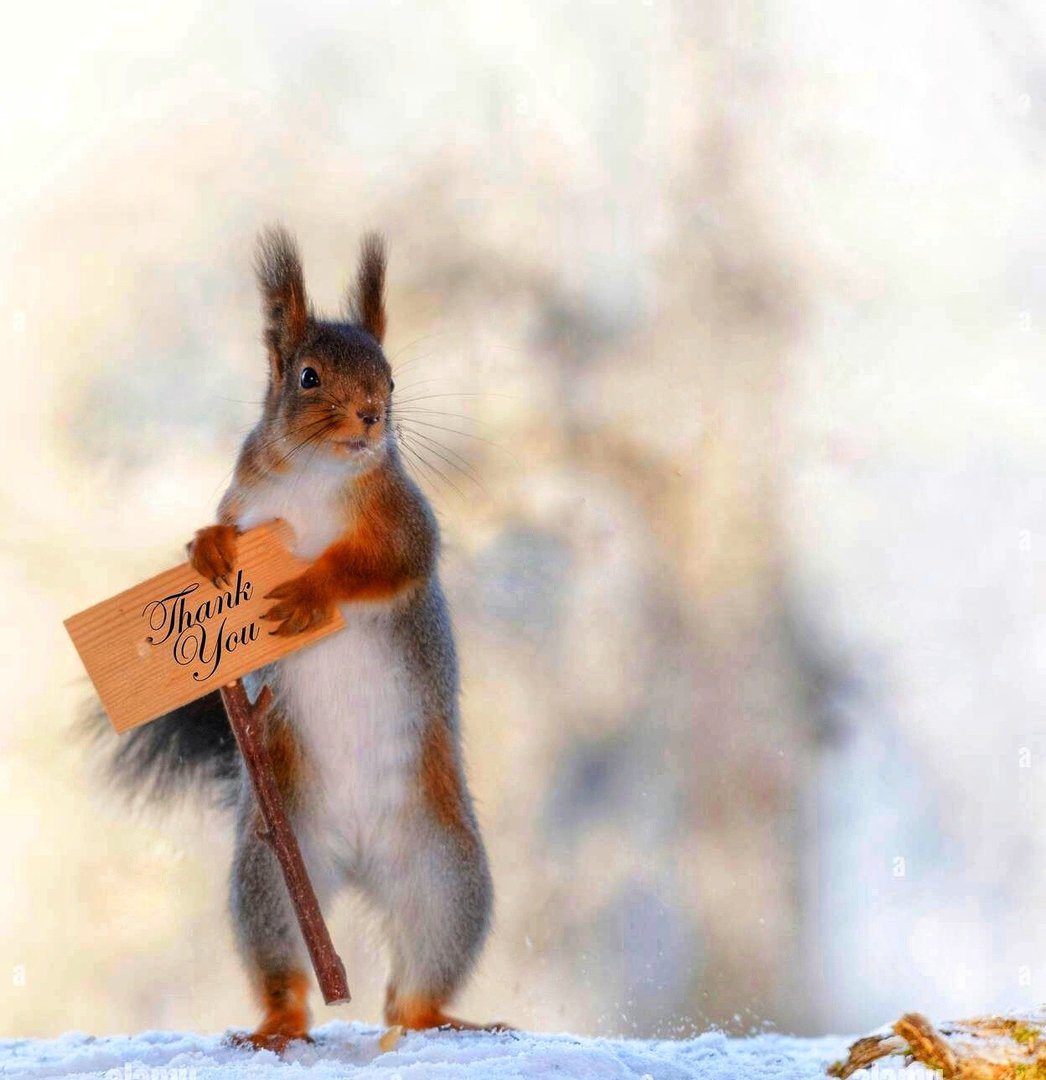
351,1050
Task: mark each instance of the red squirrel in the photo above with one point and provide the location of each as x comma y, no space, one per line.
364,731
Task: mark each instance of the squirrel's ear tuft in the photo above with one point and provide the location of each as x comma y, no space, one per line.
366,301
282,285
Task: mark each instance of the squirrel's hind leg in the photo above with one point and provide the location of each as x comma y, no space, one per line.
436,920
268,934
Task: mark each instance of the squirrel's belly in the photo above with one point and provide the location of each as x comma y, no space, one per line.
351,698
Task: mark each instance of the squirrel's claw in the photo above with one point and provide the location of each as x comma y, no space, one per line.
277,1042
212,553
300,607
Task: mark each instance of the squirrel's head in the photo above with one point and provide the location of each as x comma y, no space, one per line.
329,382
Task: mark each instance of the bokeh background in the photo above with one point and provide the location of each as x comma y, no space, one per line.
730,322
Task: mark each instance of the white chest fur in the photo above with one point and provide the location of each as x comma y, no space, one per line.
312,501
350,696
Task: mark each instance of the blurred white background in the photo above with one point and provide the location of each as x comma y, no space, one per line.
732,322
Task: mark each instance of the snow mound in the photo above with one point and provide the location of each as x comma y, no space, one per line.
351,1050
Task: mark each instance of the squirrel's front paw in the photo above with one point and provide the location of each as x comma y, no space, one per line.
212,553
302,605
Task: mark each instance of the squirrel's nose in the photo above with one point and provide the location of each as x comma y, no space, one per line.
369,415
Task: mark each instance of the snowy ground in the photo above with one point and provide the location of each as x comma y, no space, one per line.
352,1050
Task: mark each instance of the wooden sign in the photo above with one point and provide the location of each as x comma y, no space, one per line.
176,637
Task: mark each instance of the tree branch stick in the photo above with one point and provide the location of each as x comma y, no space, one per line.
246,721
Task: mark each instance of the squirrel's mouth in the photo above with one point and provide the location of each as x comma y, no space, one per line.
354,446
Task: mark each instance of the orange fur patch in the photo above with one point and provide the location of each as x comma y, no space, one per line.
387,550
418,1013
286,1015
377,559
441,780
415,1013
285,755
212,552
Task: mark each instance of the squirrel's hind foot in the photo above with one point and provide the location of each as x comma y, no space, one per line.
454,1023
277,1042
286,1017
421,1014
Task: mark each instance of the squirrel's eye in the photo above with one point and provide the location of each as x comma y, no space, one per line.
309,378
392,385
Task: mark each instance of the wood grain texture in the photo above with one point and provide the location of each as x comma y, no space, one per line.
176,637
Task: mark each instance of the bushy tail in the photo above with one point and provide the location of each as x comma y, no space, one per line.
191,747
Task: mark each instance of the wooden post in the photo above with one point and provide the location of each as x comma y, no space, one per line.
246,721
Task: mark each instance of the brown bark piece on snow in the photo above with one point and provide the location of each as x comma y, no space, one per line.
988,1048
926,1044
